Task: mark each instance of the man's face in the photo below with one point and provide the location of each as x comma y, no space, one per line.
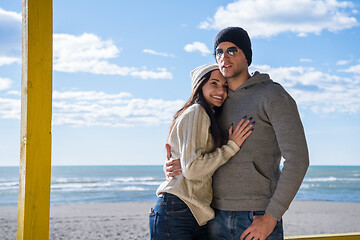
231,66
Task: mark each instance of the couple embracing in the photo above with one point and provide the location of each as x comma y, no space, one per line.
226,143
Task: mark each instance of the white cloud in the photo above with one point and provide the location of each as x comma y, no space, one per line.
4,60
88,53
10,32
118,110
10,108
7,17
342,62
161,73
5,83
158,53
89,95
315,90
91,108
262,18
84,53
353,69
305,60
197,46
14,92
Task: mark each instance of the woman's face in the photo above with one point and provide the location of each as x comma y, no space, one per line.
215,89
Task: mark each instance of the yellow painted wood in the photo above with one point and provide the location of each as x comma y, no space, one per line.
343,236
36,109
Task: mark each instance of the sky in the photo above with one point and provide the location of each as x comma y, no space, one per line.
121,70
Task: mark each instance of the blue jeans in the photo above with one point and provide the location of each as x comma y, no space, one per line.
231,224
172,219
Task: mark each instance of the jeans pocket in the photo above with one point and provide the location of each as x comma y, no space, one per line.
277,233
152,223
253,214
178,207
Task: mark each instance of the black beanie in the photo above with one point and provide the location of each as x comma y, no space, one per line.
237,36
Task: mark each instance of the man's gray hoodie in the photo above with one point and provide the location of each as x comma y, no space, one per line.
251,180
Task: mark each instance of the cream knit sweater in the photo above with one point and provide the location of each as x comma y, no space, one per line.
191,141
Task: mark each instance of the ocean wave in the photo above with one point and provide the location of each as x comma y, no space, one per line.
331,179
75,180
309,186
81,185
108,184
103,184
150,183
133,179
9,185
132,189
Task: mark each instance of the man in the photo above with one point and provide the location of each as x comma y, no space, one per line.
250,193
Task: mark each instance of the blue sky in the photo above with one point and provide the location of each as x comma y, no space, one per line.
121,70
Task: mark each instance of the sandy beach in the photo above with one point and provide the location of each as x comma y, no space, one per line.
128,220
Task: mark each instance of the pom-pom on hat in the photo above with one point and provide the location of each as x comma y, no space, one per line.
198,73
237,36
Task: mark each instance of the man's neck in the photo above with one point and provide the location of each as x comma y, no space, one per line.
237,81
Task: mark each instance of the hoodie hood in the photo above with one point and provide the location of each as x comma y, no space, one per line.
256,78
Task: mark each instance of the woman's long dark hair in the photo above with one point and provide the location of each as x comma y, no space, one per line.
197,96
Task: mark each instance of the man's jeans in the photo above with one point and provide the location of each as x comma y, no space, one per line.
172,219
231,224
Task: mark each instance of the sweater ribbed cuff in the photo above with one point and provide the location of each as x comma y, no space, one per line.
275,210
233,146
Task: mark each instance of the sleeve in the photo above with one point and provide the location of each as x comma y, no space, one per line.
193,135
289,131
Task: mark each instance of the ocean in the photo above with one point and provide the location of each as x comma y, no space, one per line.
93,184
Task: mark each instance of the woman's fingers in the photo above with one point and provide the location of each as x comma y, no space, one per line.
242,131
241,122
231,130
247,134
247,129
243,125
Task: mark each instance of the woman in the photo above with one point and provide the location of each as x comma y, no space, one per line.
183,205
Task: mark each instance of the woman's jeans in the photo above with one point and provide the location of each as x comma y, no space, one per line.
172,219
231,224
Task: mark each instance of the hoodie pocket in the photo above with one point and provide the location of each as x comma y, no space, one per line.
256,185
242,182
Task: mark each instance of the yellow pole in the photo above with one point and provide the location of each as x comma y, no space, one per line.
341,236
36,104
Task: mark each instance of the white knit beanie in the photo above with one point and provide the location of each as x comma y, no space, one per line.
198,73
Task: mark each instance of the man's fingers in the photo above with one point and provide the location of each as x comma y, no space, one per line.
168,151
173,174
244,234
173,167
248,236
172,162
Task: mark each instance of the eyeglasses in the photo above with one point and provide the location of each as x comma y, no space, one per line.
231,51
